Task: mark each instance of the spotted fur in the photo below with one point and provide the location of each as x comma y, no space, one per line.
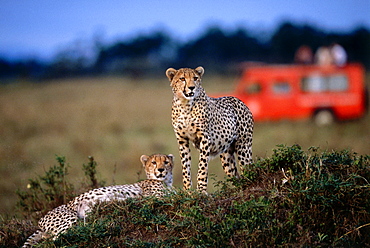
158,169
216,126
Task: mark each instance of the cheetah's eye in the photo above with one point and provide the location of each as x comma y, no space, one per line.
153,162
182,79
195,78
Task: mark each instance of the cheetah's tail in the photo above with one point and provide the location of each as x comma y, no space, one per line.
34,239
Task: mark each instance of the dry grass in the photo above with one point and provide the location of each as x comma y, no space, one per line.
117,120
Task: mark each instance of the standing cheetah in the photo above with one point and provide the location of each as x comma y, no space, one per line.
216,126
158,169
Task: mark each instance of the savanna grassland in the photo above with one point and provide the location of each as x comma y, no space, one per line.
116,120
314,194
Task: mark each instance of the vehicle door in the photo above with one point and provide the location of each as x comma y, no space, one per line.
281,94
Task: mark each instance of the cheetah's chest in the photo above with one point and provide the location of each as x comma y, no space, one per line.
189,123
197,124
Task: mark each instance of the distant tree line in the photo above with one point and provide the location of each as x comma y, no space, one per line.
218,50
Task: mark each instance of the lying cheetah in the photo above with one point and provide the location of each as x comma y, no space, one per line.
216,126
158,169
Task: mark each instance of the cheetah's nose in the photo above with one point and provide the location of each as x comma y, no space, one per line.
191,88
160,169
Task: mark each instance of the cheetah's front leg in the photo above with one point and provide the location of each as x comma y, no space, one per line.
204,158
185,155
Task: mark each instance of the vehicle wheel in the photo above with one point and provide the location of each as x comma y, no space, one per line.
324,118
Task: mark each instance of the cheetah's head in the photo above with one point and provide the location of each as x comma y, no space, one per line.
158,166
185,82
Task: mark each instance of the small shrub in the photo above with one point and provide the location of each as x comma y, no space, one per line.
90,173
53,189
46,192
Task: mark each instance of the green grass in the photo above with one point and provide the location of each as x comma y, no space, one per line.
293,198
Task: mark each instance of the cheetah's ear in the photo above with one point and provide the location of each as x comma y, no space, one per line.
144,159
170,156
170,73
200,70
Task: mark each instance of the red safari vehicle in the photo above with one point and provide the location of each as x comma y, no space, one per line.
294,92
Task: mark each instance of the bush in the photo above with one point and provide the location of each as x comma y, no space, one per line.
46,192
53,189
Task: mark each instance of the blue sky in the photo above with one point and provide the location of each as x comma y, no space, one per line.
40,27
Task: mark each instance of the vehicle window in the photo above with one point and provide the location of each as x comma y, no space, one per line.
338,83
313,83
281,87
253,88
319,83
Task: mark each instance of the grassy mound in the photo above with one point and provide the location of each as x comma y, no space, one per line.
294,198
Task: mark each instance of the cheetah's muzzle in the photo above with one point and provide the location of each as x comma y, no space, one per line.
191,94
